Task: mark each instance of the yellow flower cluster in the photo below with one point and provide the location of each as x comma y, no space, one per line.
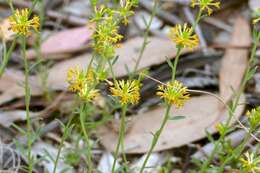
205,5
107,22
183,36
173,93
125,9
21,24
82,83
106,38
128,91
88,93
250,163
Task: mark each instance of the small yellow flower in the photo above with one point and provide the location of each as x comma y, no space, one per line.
205,5
87,93
77,78
173,93
82,83
183,36
21,24
254,117
128,91
106,38
250,162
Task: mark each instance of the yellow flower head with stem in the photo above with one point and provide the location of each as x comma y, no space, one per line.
183,36
125,9
173,93
82,83
21,24
251,162
205,5
254,117
77,78
127,91
87,93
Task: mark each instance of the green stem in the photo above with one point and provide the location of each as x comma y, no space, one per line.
197,20
174,67
111,70
156,137
120,139
231,110
6,56
64,137
27,105
123,132
146,34
235,153
86,137
166,116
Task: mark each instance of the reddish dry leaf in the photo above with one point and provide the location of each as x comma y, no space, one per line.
66,41
201,112
234,62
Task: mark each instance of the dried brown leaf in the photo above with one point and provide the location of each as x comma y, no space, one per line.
66,41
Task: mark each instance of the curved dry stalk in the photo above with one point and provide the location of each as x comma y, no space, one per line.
218,98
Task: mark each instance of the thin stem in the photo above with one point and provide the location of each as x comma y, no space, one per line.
174,67
197,20
27,105
235,153
6,56
120,138
166,116
86,137
123,132
111,70
64,137
146,34
156,137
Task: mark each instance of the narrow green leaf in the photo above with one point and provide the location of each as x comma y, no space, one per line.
179,117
